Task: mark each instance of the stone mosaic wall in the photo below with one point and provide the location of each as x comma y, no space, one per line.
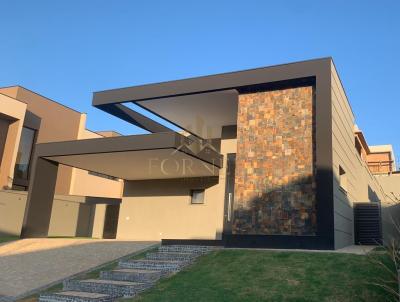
275,185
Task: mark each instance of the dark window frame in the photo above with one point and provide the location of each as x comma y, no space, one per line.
197,191
21,182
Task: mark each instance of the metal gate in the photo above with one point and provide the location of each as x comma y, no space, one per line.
367,223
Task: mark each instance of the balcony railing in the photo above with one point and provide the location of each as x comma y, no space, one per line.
385,166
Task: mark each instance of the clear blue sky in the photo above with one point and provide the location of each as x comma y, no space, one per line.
65,50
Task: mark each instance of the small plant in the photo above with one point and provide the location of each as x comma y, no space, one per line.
388,257
391,256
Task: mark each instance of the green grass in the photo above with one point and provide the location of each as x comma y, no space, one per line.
8,238
245,275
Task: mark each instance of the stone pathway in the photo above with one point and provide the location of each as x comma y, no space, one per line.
28,265
130,278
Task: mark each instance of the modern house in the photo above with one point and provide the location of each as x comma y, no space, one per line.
27,118
268,157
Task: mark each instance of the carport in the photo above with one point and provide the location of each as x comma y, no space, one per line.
159,155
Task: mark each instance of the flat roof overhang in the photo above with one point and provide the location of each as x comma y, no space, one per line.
212,99
137,157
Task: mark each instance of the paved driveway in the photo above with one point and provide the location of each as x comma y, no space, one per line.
29,264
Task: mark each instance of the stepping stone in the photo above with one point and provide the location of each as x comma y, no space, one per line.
110,287
161,265
135,275
75,296
171,256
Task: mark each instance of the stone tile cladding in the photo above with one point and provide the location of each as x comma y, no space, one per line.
274,181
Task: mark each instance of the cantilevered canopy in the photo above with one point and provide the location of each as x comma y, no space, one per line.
202,105
150,156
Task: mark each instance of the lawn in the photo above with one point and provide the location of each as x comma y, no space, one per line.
8,238
243,275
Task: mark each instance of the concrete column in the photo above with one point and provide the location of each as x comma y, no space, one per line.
9,154
40,198
99,218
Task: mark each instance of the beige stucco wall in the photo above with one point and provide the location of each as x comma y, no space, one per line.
162,209
108,133
12,209
12,114
362,186
60,123
85,184
391,185
70,215
98,220
391,206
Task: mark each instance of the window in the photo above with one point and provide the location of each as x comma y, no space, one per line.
25,147
197,196
103,175
342,178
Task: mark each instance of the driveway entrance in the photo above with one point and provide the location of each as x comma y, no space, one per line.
30,264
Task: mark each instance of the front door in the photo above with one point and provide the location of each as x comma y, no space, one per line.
229,192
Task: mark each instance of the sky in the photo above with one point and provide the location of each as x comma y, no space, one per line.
66,50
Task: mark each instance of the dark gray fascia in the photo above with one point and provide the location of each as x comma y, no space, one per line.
162,140
218,82
135,118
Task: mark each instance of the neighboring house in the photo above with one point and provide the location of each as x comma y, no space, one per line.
27,118
266,157
380,159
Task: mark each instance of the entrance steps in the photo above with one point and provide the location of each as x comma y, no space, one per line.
134,275
167,256
110,287
169,266
75,296
195,249
130,277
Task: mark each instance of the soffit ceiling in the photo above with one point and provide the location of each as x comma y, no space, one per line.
200,114
140,165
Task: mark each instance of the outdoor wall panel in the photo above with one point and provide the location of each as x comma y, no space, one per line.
361,185
275,169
